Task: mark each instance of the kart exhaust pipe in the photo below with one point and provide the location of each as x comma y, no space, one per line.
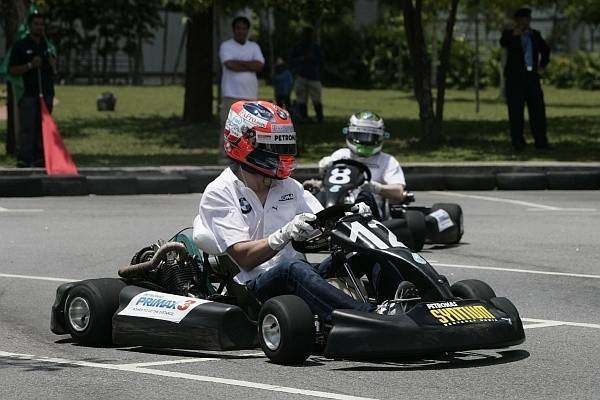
131,271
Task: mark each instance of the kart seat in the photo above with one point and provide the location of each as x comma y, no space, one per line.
226,268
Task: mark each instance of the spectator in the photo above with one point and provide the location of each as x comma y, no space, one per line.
31,58
241,59
306,59
254,210
283,80
527,56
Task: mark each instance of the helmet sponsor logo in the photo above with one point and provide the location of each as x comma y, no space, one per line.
287,197
450,313
282,114
282,128
158,305
282,138
253,119
245,205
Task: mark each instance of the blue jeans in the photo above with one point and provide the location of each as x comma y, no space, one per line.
30,147
300,278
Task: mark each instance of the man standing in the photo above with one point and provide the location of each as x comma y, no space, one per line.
241,60
527,56
306,59
31,58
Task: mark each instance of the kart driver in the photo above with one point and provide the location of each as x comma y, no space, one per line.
365,133
254,209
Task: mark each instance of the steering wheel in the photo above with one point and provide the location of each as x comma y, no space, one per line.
363,169
325,222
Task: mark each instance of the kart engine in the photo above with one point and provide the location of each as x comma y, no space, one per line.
169,265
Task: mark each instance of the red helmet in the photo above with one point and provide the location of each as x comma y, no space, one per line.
261,135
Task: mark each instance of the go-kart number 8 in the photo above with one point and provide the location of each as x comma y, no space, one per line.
340,176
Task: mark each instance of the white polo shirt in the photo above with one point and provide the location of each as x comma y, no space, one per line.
233,213
383,166
241,85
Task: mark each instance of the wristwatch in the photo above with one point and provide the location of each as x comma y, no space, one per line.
29,65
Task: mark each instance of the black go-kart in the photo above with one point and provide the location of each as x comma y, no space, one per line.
173,295
442,223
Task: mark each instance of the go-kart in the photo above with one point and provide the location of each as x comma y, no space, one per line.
173,295
442,223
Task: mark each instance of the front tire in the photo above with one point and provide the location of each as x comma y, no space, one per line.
416,225
89,309
472,289
286,330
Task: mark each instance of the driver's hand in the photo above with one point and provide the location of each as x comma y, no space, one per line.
361,208
371,186
324,163
297,229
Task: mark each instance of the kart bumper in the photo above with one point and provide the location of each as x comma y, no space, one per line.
462,325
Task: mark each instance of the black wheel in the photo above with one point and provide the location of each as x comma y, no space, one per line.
450,235
89,309
286,330
416,225
472,289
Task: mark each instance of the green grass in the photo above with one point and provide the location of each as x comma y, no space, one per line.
146,129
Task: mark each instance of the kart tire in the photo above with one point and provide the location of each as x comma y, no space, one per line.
286,330
416,225
472,289
89,308
451,235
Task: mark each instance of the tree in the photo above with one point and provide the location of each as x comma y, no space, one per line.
431,118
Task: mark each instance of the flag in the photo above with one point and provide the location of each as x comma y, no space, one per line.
23,31
56,156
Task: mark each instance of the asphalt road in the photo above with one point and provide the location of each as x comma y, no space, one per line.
538,248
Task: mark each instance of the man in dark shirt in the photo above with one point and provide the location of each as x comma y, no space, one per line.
527,55
31,58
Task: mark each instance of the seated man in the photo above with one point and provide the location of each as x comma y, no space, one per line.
365,133
254,210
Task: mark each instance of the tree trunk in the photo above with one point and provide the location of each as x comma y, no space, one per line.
421,68
197,106
443,68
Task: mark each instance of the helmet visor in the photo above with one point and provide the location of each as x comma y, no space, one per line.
365,135
278,166
277,143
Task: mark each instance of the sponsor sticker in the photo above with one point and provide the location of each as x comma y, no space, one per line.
450,313
281,128
276,138
417,257
158,305
253,119
443,219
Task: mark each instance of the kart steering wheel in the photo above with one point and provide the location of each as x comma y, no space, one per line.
363,169
325,222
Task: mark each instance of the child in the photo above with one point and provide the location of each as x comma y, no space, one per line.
283,81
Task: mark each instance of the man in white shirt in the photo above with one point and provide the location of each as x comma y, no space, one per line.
241,59
254,210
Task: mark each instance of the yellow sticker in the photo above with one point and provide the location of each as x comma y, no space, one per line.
461,314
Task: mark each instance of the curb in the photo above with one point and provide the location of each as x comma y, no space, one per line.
186,179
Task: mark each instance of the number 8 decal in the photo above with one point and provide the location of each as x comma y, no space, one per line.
340,176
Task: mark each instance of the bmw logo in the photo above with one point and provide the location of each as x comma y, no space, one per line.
245,205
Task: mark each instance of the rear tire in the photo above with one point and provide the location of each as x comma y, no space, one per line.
472,289
417,228
89,309
286,330
453,234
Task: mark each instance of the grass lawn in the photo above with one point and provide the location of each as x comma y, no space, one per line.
146,130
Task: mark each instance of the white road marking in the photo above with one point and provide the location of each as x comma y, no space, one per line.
2,209
533,206
542,323
181,375
40,278
524,271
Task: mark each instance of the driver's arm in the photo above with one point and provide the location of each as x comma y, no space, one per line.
251,254
393,192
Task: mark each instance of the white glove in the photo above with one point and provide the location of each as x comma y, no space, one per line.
371,186
361,208
324,163
297,229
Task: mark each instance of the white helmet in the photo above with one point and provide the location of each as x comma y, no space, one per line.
365,133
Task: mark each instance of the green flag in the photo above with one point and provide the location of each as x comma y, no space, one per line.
23,31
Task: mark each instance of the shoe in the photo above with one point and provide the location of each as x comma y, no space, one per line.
22,164
407,296
39,163
544,147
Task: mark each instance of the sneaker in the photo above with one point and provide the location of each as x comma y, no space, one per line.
407,295
22,164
